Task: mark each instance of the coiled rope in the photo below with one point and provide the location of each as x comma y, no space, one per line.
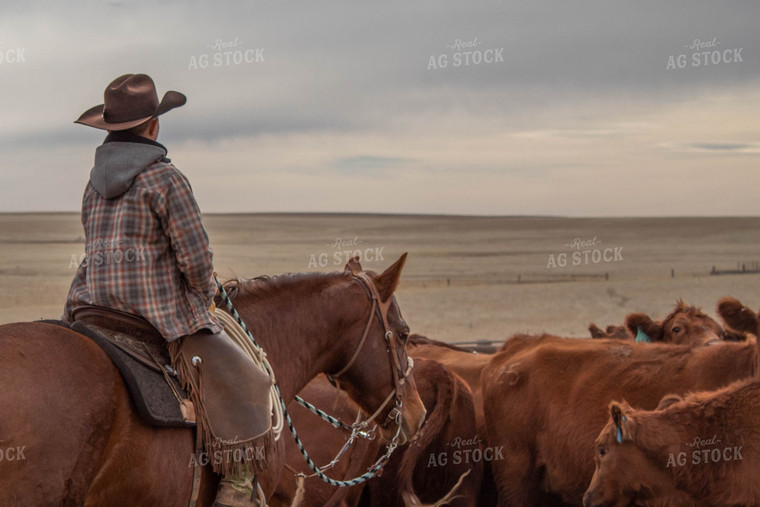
239,335
356,428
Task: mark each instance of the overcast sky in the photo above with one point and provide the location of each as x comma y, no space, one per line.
574,108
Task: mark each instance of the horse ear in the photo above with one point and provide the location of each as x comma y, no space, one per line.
353,265
644,328
387,281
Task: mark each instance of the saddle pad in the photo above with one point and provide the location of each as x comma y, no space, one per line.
149,389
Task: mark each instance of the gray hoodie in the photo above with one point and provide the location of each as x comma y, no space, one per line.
117,164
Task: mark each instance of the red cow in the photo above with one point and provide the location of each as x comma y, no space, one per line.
704,450
446,458
546,400
686,325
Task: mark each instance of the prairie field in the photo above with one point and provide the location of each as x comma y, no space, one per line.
466,278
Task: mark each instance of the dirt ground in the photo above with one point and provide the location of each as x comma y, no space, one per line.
467,278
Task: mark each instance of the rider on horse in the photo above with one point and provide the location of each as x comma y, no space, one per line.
147,251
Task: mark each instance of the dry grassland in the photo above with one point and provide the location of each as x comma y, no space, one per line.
461,278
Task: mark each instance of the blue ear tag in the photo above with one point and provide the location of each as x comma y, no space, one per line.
641,336
620,434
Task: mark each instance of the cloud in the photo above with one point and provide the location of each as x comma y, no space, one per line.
711,148
369,164
593,133
581,93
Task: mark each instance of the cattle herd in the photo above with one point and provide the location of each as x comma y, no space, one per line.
650,413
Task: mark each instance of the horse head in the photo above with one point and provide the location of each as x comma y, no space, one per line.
378,370
345,324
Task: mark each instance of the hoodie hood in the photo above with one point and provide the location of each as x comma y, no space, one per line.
118,163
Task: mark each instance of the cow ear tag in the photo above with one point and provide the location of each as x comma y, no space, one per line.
620,433
641,336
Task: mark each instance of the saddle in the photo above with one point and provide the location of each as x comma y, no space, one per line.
216,386
139,352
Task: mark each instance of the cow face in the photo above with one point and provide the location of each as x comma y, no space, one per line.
686,325
626,473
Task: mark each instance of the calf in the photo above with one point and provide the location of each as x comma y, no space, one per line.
704,450
546,399
686,325
466,364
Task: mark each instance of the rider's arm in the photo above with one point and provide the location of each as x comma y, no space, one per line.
182,223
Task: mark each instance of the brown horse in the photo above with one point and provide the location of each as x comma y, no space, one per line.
76,437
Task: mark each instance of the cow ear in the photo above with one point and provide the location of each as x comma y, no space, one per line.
737,316
595,331
353,265
644,328
388,280
621,420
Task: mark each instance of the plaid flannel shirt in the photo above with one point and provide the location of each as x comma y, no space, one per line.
148,253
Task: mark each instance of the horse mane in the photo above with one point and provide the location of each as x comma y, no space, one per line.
262,286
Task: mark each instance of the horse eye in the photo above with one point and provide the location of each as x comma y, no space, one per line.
602,452
403,336
676,329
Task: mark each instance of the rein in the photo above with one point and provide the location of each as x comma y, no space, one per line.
358,428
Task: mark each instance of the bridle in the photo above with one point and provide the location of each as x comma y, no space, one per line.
380,309
357,429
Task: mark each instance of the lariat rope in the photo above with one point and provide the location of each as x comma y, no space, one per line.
239,334
356,428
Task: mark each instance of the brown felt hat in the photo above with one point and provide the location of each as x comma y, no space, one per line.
130,100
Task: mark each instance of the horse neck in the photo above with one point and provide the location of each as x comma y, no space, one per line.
298,334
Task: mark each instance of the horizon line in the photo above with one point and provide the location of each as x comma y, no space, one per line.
402,214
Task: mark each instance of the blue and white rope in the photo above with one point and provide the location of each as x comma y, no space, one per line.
370,473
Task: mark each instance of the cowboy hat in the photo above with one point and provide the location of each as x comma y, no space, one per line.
130,100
